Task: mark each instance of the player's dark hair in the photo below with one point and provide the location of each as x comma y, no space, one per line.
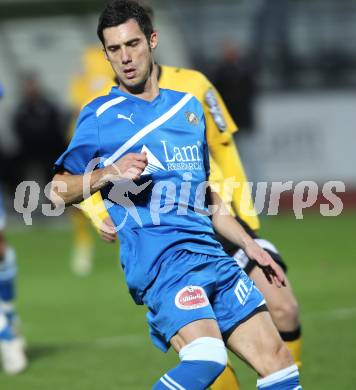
117,12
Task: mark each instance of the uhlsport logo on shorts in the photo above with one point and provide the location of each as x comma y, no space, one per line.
243,290
191,297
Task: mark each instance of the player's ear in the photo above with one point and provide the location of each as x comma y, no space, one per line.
105,53
154,40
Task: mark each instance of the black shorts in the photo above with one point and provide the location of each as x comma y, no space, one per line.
239,255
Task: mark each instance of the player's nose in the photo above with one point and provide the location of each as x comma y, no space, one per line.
125,56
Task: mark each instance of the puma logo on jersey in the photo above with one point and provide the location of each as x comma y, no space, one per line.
128,118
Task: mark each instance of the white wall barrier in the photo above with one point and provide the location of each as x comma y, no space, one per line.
304,136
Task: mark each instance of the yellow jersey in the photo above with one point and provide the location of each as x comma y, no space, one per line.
95,80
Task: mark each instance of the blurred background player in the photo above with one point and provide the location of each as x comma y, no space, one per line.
235,78
96,76
12,354
38,126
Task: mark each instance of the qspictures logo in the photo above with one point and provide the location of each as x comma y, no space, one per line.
305,194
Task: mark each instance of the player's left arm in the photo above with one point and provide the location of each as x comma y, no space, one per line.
228,227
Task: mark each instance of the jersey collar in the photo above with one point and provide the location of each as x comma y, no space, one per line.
116,91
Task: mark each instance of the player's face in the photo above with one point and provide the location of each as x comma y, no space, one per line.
129,53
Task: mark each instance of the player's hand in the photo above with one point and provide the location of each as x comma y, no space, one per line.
129,167
270,268
107,230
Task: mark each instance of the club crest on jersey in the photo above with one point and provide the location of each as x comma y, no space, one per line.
191,297
192,118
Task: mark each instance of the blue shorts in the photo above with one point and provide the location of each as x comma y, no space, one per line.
193,286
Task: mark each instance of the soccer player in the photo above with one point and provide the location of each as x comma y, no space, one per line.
95,77
224,163
11,344
196,295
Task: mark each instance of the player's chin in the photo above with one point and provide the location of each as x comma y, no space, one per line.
137,81
132,80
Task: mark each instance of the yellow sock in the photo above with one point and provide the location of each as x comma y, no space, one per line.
227,380
81,225
295,348
82,251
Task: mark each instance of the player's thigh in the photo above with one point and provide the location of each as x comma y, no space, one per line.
193,331
281,302
180,296
258,342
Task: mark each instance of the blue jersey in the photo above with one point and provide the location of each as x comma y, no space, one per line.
164,211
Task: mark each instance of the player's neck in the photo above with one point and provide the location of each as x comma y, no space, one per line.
148,90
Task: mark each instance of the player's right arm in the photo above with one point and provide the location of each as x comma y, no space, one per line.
74,179
71,188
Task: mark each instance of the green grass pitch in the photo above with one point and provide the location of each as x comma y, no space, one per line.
87,334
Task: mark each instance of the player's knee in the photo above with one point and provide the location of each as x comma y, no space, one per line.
210,353
289,308
292,310
285,311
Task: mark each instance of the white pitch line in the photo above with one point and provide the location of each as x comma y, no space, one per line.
120,340
135,340
341,313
